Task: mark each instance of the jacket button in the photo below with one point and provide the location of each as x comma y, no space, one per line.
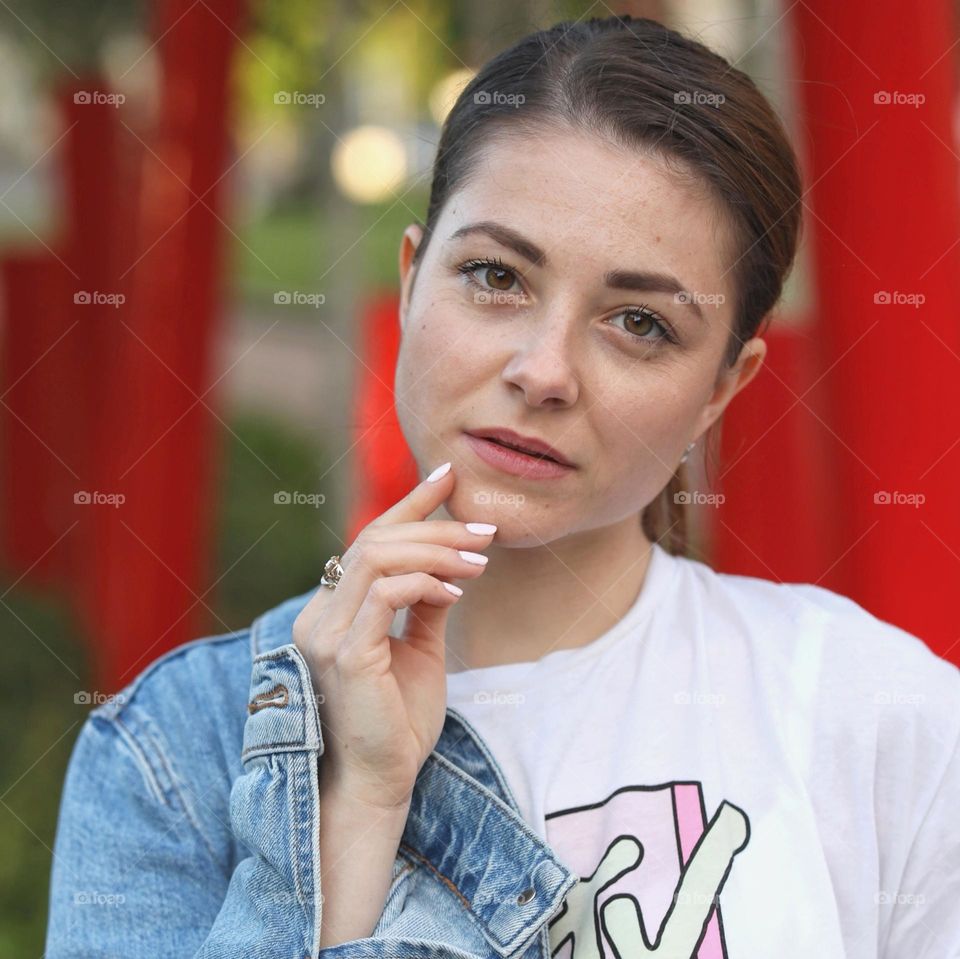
525,896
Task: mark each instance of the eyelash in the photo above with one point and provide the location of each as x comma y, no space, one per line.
471,266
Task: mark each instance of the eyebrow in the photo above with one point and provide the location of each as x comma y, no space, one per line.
642,281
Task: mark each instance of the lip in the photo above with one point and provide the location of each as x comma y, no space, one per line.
518,439
514,462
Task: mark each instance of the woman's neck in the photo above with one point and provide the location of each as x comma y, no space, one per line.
532,601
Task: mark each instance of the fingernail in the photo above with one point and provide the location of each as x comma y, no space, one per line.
456,590
477,559
482,528
438,472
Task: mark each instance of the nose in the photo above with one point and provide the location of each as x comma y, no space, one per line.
542,365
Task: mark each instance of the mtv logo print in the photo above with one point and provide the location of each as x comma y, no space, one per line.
653,888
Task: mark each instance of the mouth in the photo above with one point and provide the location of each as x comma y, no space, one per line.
519,449
520,444
520,455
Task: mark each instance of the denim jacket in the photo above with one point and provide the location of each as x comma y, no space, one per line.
188,825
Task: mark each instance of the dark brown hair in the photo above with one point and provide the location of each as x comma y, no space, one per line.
640,84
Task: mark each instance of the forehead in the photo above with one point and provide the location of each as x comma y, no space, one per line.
592,205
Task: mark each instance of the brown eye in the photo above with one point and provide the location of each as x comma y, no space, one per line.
498,278
493,276
640,323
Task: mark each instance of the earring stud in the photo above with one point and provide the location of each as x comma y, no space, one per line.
686,454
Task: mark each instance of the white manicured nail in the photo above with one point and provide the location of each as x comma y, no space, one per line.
438,472
482,528
476,558
456,590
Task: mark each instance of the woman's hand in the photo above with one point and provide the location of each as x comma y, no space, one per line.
384,698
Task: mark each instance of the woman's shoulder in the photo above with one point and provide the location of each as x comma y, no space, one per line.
810,627
186,710
223,659
836,675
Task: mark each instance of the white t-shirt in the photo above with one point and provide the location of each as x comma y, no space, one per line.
756,770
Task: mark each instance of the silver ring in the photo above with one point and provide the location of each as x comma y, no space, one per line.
332,572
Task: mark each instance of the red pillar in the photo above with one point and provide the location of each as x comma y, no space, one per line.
385,469
58,332
152,567
775,518
885,226
38,472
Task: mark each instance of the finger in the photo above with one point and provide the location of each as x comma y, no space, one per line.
374,560
440,531
422,500
425,627
376,613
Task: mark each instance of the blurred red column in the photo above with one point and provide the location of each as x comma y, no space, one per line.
775,519
151,566
385,469
885,226
58,332
38,471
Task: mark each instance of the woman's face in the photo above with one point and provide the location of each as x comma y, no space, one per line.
552,340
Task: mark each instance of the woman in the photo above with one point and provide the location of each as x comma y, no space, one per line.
597,746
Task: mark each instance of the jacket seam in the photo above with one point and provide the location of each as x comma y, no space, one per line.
163,757
139,757
447,882
314,768
299,747
162,761
111,711
292,836
471,733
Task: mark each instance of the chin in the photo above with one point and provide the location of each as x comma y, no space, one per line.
520,522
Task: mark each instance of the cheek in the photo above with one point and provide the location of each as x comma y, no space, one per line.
436,369
642,430
429,354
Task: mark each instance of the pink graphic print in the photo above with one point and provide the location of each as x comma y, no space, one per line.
651,869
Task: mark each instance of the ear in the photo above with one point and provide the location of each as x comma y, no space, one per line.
412,236
731,380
